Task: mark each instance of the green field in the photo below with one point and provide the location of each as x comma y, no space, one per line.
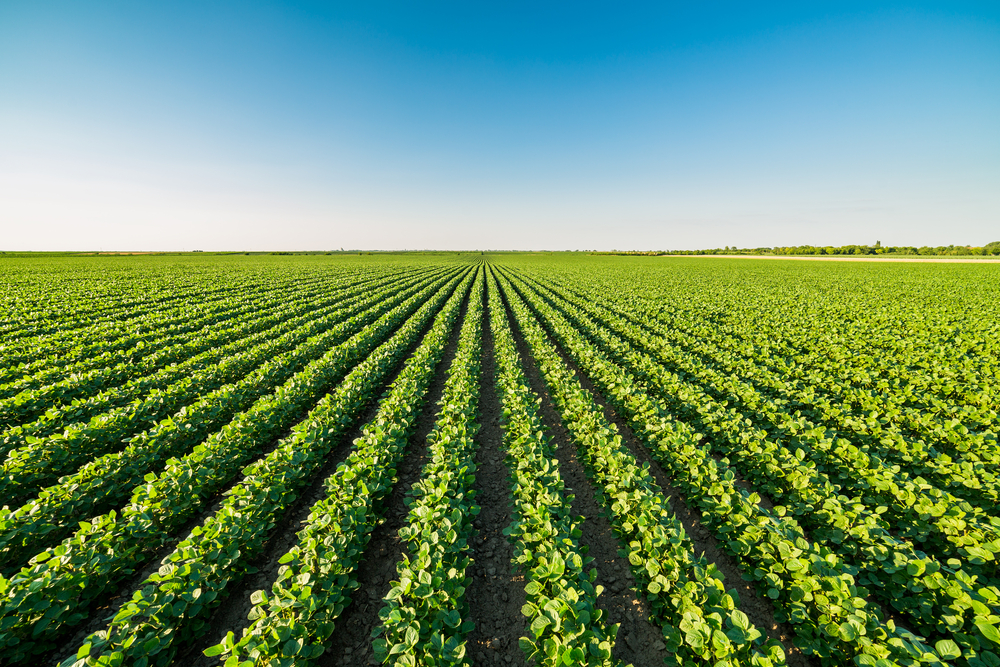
465,458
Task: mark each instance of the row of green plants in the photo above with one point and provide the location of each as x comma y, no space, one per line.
929,515
71,337
56,589
927,389
190,354
39,461
69,341
107,481
42,461
425,617
923,441
701,620
917,440
938,521
941,523
812,588
938,600
290,624
919,512
85,299
156,331
117,384
212,330
925,354
172,606
164,330
76,309
565,625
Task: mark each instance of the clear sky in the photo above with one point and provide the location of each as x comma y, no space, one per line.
473,125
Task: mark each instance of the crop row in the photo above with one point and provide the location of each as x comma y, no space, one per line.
78,303
939,599
41,462
874,507
425,615
173,604
565,623
106,481
315,581
78,345
57,587
77,396
811,586
877,430
700,619
932,400
159,331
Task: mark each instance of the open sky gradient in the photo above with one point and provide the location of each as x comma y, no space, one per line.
410,125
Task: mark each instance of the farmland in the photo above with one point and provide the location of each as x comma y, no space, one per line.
443,459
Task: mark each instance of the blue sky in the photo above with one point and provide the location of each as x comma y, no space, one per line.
162,126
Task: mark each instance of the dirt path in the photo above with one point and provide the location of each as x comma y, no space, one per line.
496,593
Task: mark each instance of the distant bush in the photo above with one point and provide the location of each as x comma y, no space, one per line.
808,250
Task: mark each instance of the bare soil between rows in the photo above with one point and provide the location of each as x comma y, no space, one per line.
496,593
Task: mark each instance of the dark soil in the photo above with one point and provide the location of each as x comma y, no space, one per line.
351,642
496,593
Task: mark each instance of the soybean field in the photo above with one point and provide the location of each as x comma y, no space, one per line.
498,459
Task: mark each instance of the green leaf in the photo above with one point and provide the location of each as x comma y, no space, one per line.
989,658
988,631
538,625
291,647
948,650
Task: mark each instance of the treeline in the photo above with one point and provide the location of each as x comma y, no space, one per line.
807,250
